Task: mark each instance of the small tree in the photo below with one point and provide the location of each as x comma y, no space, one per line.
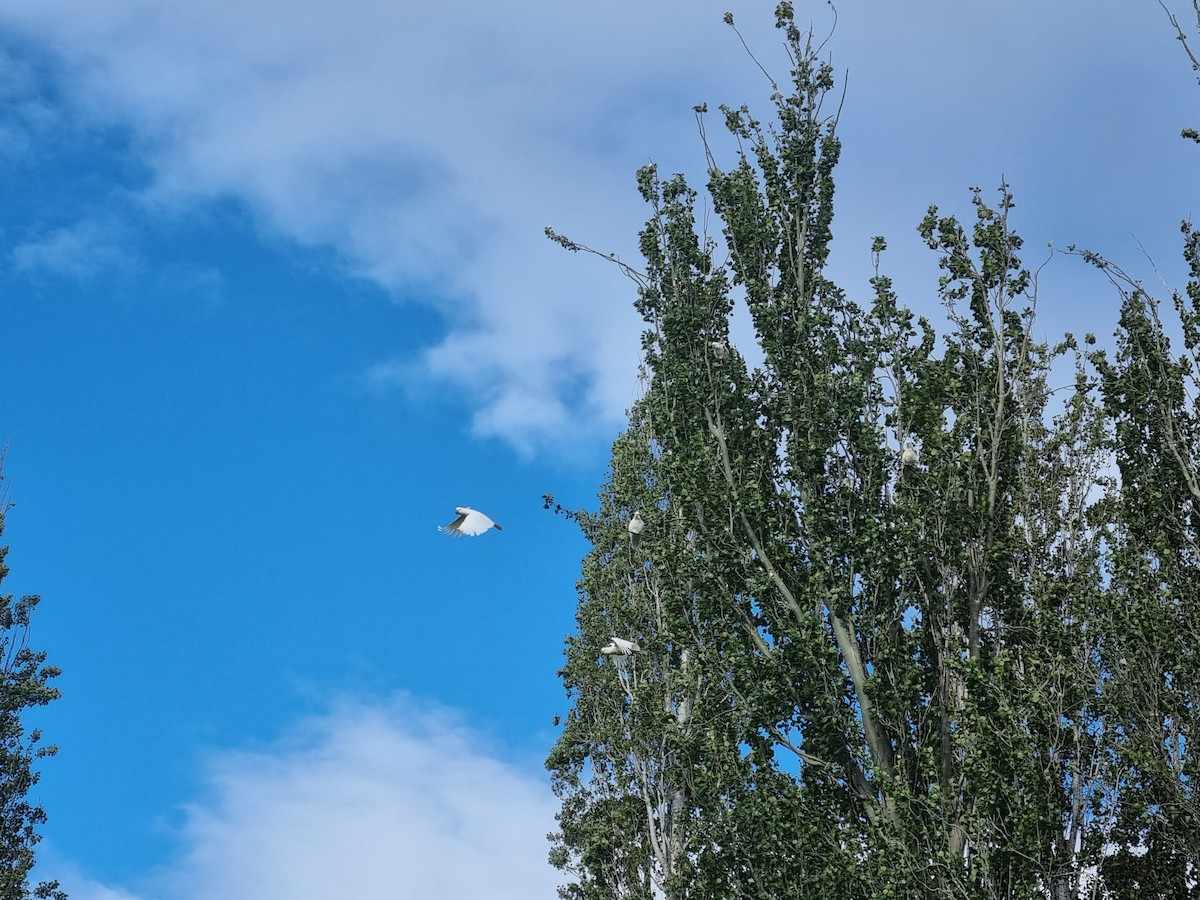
24,683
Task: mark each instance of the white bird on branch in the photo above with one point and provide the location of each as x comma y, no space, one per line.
470,522
636,527
720,350
908,456
620,647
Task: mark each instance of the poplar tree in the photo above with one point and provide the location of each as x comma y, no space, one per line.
914,619
1151,626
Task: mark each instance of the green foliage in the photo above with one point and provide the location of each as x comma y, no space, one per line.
904,632
24,683
1152,652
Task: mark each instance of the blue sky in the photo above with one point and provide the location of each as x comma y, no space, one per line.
274,298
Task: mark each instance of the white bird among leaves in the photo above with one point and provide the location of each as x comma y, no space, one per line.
636,527
620,647
720,349
909,456
469,522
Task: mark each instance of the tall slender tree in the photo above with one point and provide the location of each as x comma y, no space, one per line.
868,569
1151,649
1151,627
909,626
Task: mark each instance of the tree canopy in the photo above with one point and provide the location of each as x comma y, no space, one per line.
913,620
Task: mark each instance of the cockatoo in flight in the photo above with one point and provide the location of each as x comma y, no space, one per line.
620,647
470,522
636,527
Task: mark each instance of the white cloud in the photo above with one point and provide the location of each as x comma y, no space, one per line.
369,800
80,251
429,144
78,886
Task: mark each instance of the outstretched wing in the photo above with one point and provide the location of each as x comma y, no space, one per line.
476,523
470,522
455,527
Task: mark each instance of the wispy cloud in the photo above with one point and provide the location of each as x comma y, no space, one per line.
79,252
78,885
386,799
26,117
429,144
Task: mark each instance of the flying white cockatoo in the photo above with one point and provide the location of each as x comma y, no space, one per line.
620,647
470,522
636,527
908,456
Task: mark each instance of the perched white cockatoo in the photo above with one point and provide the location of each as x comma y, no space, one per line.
908,456
720,349
470,522
620,647
636,527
